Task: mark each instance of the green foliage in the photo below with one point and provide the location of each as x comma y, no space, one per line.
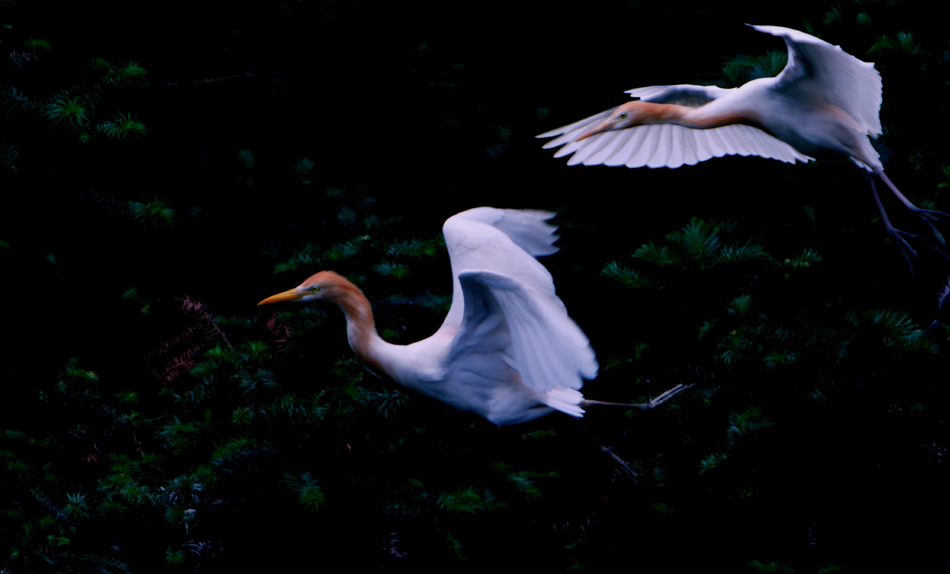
526,481
742,69
227,418
174,557
132,294
123,126
174,419
76,109
696,244
177,434
304,170
10,156
154,213
760,566
896,329
304,257
765,350
626,275
34,45
808,258
901,42
71,111
396,270
246,158
305,487
744,424
467,500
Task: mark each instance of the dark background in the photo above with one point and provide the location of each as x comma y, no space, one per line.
284,138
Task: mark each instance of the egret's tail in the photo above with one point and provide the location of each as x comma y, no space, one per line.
565,400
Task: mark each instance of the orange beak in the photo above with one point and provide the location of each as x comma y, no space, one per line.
600,128
291,295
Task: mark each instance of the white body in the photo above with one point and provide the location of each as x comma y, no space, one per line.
823,104
507,349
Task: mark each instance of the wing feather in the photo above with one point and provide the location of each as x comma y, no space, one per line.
582,154
671,145
639,150
511,345
536,339
816,72
503,240
688,147
816,67
609,150
680,94
677,155
668,145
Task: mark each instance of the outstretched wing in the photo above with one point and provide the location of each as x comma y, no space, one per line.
511,332
505,241
817,69
667,145
680,94
506,322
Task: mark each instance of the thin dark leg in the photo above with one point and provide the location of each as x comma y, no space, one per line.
928,216
895,233
649,405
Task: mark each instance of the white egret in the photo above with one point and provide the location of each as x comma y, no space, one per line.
507,349
824,104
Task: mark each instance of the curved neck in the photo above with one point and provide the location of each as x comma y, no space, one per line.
361,327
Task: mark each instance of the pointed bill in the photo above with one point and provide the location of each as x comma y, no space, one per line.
290,295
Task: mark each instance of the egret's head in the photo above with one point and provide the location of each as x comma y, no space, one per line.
626,116
321,285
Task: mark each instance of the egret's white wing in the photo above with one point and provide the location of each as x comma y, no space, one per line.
526,227
509,332
671,145
816,67
506,323
667,145
679,94
505,241
477,374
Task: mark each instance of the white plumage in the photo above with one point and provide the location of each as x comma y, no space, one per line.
823,104
507,349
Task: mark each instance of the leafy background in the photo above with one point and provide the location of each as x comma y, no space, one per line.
165,166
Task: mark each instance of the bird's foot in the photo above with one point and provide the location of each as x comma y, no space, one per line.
931,214
904,245
929,217
668,395
653,403
900,238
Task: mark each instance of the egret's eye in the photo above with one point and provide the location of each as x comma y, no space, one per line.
622,116
314,288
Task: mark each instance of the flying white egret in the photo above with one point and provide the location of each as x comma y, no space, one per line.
507,349
824,104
